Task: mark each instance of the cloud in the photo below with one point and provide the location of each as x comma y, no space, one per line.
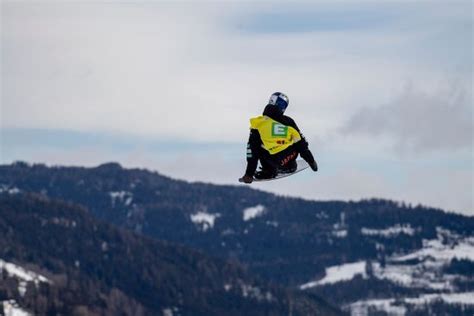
420,121
135,68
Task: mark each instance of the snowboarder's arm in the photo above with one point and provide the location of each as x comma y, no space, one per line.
252,147
303,148
308,156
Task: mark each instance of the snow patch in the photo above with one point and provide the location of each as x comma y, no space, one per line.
339,273
167,312
272,223
14,191
9,190
253,212
466,298
204,220
21,273
425,274
340,233
446,234
380,305
436,249
322,215
249,291
390,231
124,197
396,307
61,221
104,246
228,232
170,311
11,308
400,274
22,288
422,268
427,269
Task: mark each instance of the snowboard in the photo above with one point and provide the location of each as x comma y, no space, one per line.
301,165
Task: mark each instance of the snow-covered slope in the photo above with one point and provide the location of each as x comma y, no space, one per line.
11,308
423,269
23,276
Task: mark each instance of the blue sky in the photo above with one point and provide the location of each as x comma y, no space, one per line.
382,90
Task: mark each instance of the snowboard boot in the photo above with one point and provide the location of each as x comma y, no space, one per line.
265,174
289,167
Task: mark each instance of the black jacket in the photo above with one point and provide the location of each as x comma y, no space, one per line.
254,145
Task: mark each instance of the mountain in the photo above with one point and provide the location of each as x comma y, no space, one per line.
370,256
58,260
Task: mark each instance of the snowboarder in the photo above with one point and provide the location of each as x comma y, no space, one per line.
275,141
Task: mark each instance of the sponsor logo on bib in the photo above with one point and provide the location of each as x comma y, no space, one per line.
279,130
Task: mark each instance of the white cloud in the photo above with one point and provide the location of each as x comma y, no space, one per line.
419,121
136,68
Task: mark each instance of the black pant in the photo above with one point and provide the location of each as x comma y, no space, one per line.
283,160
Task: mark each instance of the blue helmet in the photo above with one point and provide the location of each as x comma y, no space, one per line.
280,100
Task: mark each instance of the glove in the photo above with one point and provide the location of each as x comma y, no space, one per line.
308,156
246,179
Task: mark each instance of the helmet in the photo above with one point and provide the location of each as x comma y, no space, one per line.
280,100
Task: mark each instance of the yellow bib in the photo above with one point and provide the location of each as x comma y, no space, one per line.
275,136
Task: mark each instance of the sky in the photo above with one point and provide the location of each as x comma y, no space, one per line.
382,90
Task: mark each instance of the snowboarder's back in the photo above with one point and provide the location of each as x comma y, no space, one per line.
275,140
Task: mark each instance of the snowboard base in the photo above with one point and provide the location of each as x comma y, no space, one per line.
301,165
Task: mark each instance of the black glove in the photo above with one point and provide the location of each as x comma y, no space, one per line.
308,156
